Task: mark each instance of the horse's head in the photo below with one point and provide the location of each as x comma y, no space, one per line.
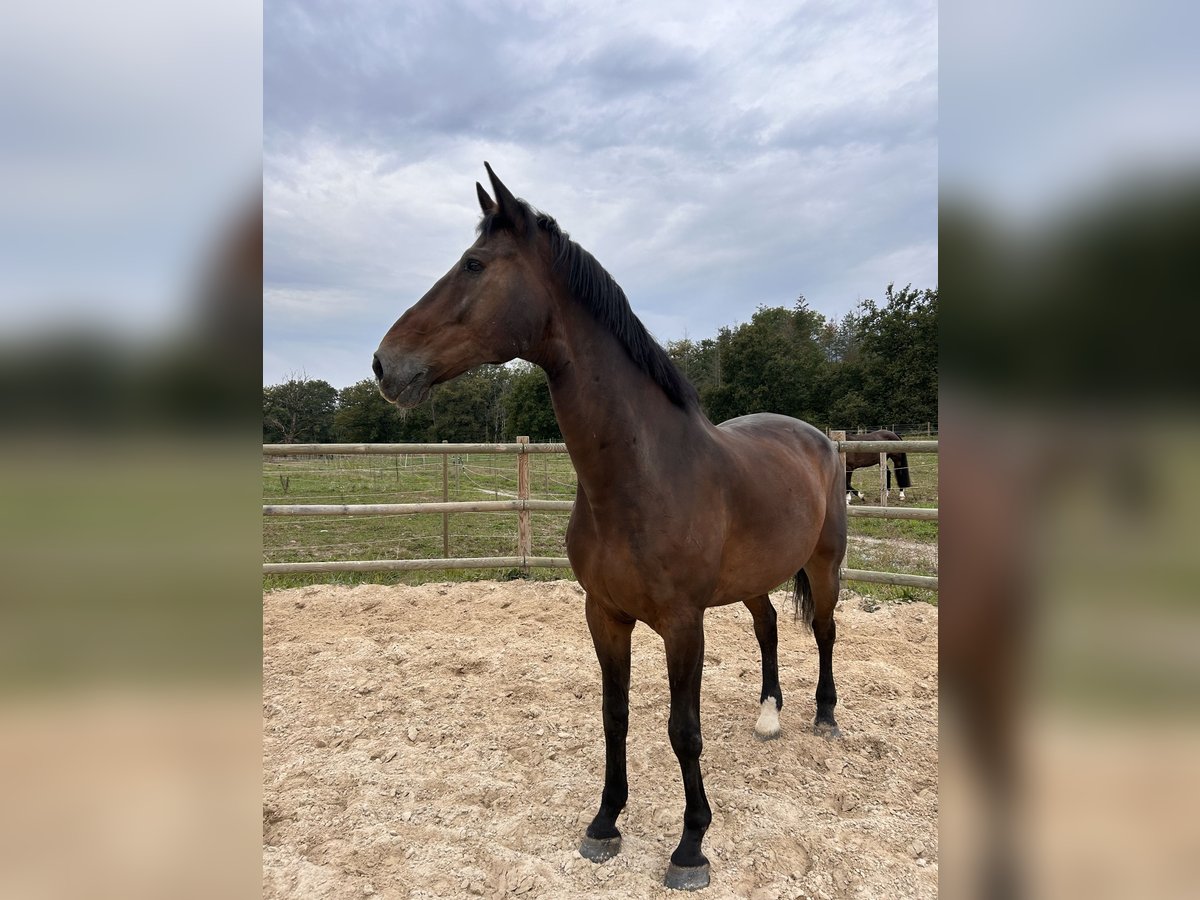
490,307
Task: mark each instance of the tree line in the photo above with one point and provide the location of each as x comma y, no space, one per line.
875,365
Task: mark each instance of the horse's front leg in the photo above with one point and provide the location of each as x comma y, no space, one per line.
611,637
685,664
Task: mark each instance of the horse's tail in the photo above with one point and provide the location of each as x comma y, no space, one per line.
802,598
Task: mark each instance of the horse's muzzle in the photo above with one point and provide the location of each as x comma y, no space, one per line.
404,382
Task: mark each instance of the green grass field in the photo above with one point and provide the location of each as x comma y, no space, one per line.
878,544
409,479
896,545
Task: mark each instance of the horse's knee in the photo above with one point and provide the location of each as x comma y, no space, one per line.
686,740
616,714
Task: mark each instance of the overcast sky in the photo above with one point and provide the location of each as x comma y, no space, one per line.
712,156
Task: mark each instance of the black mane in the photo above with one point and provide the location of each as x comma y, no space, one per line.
588,281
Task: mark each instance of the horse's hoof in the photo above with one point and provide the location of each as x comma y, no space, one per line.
828,730
599,849
767,727
687,878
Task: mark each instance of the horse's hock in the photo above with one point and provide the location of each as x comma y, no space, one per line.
445,741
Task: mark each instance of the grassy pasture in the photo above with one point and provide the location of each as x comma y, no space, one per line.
879,544
897,545
409,479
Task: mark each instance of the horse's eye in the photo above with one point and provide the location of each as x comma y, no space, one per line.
473,265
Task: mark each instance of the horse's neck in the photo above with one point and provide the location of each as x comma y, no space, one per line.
619,425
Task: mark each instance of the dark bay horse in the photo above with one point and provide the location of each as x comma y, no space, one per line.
865,460
673,515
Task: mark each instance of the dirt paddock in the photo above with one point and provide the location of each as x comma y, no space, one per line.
445,741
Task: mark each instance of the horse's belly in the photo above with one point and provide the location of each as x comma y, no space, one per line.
758,559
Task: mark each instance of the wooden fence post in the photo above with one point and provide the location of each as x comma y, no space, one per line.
524,532
445,498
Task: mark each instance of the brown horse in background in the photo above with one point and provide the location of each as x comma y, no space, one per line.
864,459
673,515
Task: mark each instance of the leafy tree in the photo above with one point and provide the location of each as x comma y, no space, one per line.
700,361
470,408
416,424
770,364
851,412
527,406
364,417
839,340
899,355
299,411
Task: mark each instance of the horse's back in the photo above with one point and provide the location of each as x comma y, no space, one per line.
795,436
861,459
772,455
881,435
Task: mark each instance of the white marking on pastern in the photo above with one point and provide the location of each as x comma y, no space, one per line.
767,725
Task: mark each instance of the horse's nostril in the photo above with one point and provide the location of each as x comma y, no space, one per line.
377,367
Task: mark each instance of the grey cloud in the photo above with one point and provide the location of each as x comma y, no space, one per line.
712,162
380,70
638,64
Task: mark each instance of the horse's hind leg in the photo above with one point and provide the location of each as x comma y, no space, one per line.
824,583
611,638
771,699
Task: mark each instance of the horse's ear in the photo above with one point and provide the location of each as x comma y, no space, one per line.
486,203
508,207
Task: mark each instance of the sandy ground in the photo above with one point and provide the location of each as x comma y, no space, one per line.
445,741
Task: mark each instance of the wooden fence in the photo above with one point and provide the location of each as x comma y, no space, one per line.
523,505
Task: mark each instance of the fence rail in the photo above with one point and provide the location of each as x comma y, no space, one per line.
923,514
393,449
405,565
523,505
519,448
915,513
410,509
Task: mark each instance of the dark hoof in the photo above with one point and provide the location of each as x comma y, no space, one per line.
827,730
687,878
600,849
